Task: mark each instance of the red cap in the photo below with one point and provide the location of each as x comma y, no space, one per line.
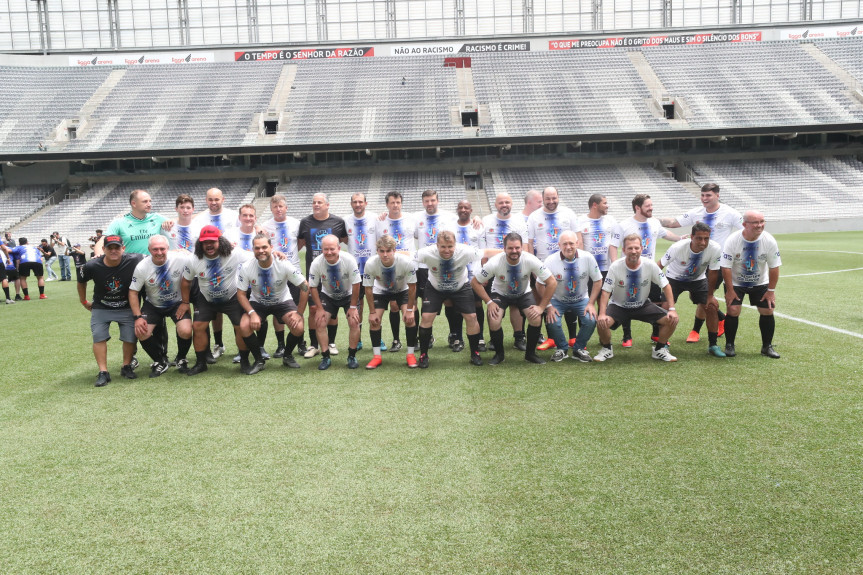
210,233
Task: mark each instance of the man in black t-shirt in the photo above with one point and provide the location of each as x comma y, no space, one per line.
313,229
111,275
50,257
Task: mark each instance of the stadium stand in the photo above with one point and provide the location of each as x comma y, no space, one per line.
846,53
19,202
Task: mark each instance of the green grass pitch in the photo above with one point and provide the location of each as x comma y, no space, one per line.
744,465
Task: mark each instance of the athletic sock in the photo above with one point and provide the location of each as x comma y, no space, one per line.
6,290
496,337
183,346
313,338
152,347
455,321
253,345
720,314
280,338
659,345
200,357
41,290
627,328
767,324
411,336
332,330
533,332
262,333
425,334
480,319
730,329
655,330
326,353
696,325
376,340
352,352
473,341
291,343
26,292
571,323
518,335
711,337
244,356
395,322
217,335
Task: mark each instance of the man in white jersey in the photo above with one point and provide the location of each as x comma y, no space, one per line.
468,234
625,297
180,235
390,277
532,202
430,222
361,242
446,262
578,285
283,232
723,221
334,279
214,268
649,230
595,230
267,280
402,228
750,266
693,266
158,278
511,272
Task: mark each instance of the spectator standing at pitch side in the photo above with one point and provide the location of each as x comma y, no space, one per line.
50,257
63,248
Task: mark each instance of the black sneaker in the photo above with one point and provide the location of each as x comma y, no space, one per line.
769,352
134,363
482,346
457,345
729,350
533,358
264,355
490,347
159,368
197,368
395,346
520,345
289,361
183,365
475,359
431,342
450,339
210,359
128,372
103,378
301,348
496,360
19,298
280,352
256,367
423,361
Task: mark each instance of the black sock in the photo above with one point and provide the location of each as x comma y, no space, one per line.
41,290
473,341
6,290
480,319
655,330
533,332
183,346
455,321
411,333
253,345
217,335
209,336
26,292
291,343
730,329
696,325
627,328
352,352
201,357
425,338
152,347
518,335
262,333
659,345
571,323
721,315
395,322
767,324
280,338
376,337
496,337
417,314
332,330
711,337
326,353
313,338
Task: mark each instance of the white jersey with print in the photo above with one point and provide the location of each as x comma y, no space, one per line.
402,230
241,240
649,231
545,229
181,238
723,222
428,227
448,275
390,280
596,234
495,229
283,237
269,285
361,238
512,280
682,264
572,275
336,280
226,221
469,236
630,288
161,284
750,262
217,277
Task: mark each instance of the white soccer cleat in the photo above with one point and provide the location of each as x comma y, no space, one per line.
311,352
604,353
333,349
218,351
663,354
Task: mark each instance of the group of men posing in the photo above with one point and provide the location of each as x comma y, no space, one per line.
20,260
546,265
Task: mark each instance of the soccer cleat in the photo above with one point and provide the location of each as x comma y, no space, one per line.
475,359
128,372
183,365
218,351
352,362
326,362
729,350
450,338
496,360
571,342
490,346
255,367
333,349
431,342
102,379
280,352
311,352
693,337
423,361
9,301
721,331
546,345
236,359
395,346
383,346
457,345
159,368
521,344
360,345
662,354
624,343
605,353
301,348
264,355
134,363
715,351
581,355
481,346
197,368
17,297
558,355
411,360
210,359
42,296
26,298
289,361
768,351
375,363
533,358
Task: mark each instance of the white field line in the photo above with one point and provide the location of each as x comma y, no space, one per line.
827,272
812,323
820,273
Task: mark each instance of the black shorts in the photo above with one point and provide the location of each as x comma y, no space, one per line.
521,302
590,282
755,294
655,295
206,311
332,306
462,299
2,273
697,290
24,269
154,314
422,280
382,300
648,313
278,310
12,274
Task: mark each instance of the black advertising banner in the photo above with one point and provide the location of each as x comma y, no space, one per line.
480,47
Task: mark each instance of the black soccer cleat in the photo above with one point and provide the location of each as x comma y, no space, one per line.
255,367
103,378
128,372
289,361
159,368
280,352
197,368
423,361
475,359
520,345
497,359
729,350
533,358
768,351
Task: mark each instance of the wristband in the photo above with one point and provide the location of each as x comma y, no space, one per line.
548,306
771,289
251,311
354,307
137,317
185,302
671,309
409,309
489,302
